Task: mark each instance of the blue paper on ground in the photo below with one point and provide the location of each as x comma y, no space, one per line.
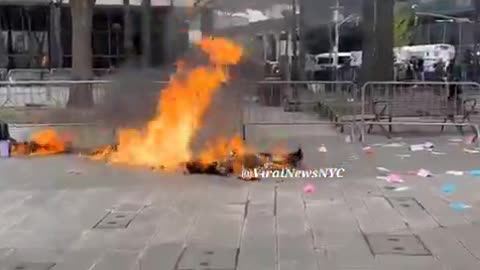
449,188
459,206
475,172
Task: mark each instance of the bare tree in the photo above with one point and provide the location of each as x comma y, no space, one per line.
476,38
56,51
146,33
368,41
128,30
384,40
377,57
81,96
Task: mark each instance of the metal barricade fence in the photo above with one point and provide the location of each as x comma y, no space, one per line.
299,103
23,97
419,103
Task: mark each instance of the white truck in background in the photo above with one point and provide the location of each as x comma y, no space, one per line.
430,53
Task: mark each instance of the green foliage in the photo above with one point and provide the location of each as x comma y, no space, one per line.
404,24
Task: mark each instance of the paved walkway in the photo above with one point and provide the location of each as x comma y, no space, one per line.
68,213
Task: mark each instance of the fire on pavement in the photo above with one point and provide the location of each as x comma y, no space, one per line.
165,142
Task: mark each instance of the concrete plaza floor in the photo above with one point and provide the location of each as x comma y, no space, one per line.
69,213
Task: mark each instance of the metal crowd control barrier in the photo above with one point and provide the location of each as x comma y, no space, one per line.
299,103
3,74
418,104
32,99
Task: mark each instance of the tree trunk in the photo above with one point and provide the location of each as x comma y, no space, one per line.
301,30
128,29
146,33
3,54
476,38
377,56
81,96
56,49
384,41
368,40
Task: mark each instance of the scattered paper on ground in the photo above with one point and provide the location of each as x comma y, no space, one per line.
322,149
309,188
382,169
449,188
456,173
471,151
424,173
404,156
394,178
475,172
459,206
394,145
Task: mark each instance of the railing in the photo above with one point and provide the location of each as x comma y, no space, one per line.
298,103
418,103
36,101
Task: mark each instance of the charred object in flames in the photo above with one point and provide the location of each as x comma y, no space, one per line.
248,161
31,148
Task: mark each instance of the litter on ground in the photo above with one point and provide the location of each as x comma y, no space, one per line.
394,178
456,173
421,147
424,173
322,149
459,206
382,169
309,188
471,151
475,172
449,188
394,145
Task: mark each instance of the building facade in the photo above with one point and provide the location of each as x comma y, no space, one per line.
30,37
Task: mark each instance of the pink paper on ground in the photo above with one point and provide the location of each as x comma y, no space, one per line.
394,178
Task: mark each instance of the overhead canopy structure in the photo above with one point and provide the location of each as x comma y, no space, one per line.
177,3
237,6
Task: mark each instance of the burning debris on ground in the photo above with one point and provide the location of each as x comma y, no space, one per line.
45,142
165,142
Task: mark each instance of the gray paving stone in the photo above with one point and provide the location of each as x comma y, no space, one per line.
440,211
407,262
413,213
352,253
78,260
117,261
227,229
116,220
407,245
258,245
261,193
375,215
204,257
469,237
449,250
29,266
161,256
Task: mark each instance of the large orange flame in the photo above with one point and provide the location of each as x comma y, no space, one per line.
44,142
166,140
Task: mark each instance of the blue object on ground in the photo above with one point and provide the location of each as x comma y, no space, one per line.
449,188
475,172
459,206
